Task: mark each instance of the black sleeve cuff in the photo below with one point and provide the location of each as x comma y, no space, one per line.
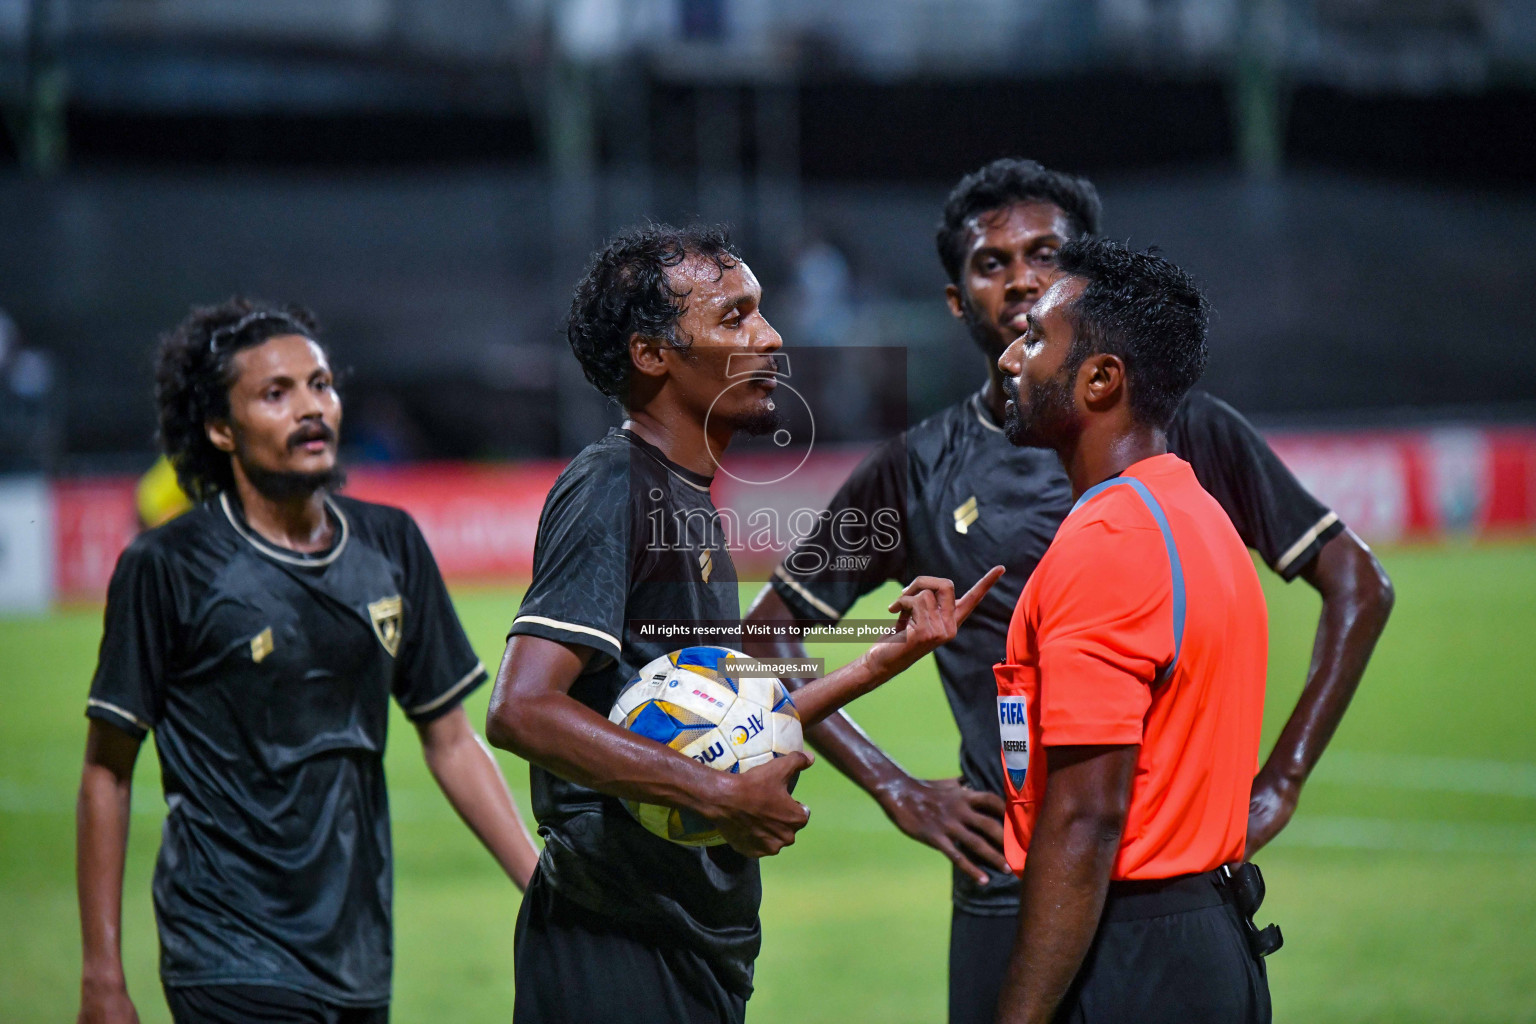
450,698
120,717
801,599
563,632
1301,553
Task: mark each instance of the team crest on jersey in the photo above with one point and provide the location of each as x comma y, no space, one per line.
261,645
386,615
966,514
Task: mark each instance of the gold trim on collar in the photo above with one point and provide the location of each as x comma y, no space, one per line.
282,554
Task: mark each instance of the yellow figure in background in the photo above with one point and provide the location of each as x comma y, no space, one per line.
159,498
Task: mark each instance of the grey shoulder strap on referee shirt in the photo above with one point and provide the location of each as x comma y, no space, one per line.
1173,555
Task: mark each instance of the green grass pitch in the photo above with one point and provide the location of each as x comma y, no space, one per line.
1406,886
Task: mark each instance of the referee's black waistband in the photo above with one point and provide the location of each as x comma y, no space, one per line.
1137,899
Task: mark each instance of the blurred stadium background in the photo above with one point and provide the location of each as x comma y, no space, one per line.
1353,180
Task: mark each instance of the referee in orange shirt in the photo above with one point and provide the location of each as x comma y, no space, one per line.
1132,693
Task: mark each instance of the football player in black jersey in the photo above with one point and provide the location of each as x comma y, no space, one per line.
619,924
260,637
967,498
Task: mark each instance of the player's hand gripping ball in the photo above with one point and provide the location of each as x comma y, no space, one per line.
692,701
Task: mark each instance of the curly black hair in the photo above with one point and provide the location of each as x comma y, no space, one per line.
625,292
194,369
1003,183
1145,310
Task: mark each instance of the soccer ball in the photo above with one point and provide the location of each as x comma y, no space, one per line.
693,702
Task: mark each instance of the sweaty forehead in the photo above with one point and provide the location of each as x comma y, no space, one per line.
708,283
1007,226
1058,299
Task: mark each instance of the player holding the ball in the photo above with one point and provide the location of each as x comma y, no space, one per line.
618,923
711,704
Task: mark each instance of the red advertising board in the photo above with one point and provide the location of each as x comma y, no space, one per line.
1421,485
93,520
481,521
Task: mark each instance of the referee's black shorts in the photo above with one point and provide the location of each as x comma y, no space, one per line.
572,965
1171,952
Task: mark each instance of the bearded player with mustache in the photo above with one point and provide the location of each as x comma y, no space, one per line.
260,637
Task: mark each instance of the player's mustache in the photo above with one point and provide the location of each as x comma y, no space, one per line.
311,432
773,364
1011,390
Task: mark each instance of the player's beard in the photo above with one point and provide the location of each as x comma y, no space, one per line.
987,335
280,485
1048,420
285,485
764,419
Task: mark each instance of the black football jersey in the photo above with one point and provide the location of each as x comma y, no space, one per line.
969,500
265,676
628,536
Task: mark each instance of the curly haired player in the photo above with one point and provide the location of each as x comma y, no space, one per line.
260,637
619,924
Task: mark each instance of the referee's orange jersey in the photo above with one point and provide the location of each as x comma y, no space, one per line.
1143,624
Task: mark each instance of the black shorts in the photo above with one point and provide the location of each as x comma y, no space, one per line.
262,1004
1174,952
979,947
572,965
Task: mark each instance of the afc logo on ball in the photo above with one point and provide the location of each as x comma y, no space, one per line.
742,733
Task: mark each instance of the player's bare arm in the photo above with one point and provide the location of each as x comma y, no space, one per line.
1066,878
101,845
928,615
963,824
533,715
1357,598
472,781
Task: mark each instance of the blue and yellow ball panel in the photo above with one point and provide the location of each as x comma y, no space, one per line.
666,723
683,827
693,701
711,662
706,657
